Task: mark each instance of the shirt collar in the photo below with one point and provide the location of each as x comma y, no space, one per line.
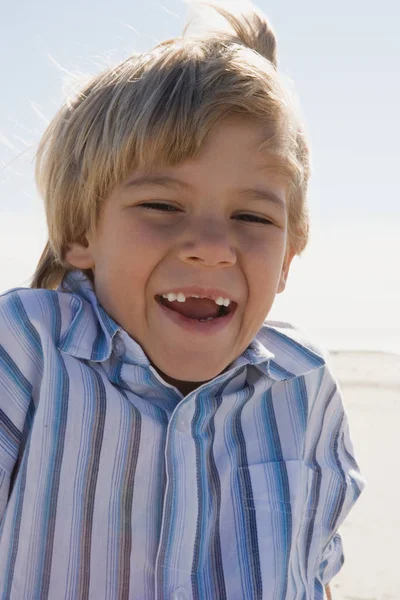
283,352
278,350
92,333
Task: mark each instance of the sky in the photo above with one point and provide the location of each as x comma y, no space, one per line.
343,60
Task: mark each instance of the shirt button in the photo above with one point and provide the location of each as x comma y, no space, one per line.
119,347
180,594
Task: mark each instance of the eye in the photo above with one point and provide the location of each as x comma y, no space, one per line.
169,208
162,206
254,219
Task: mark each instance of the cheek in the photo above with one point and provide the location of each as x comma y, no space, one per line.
262,268
263,242
142,236
131,245
264,256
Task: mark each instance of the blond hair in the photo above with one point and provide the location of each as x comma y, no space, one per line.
157,109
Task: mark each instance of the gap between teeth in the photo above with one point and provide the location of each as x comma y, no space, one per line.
180,297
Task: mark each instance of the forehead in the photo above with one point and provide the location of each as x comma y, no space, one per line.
235,152
251,141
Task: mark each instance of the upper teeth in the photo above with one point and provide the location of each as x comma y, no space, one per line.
180,297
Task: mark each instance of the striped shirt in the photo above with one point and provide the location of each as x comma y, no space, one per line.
113,485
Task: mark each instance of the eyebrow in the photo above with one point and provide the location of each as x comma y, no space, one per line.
161,180
261,194
168,181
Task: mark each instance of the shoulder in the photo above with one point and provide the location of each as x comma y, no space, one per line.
37,312
293,338
294,353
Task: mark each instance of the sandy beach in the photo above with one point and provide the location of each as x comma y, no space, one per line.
370,382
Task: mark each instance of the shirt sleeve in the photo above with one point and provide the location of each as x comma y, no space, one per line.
338,483
20,360
332,559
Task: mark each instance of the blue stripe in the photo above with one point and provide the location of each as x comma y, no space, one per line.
277,463
14,380
301,399
207,569
9,429
316,482
19,495
30,338
299,351
337,509
78,318
168,521
49,511
250,565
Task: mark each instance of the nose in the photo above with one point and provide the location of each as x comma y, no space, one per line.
208,244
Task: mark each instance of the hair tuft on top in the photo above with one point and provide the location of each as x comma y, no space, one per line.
157,109
249,28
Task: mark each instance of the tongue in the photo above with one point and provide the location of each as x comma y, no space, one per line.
194,308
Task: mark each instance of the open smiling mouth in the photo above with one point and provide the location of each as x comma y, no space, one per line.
198,309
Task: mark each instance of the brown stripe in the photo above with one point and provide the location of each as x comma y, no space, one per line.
98,418
125,547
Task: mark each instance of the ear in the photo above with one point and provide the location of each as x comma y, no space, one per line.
79,256
285,271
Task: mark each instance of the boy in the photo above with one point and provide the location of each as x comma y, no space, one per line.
159,439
